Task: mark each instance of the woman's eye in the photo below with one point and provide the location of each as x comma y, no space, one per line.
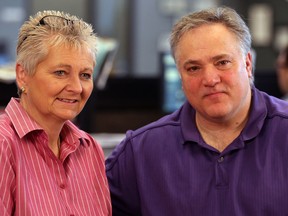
86,76
60,73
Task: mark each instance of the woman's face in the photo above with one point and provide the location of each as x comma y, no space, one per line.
60,87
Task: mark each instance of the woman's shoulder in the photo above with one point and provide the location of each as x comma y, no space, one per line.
6,127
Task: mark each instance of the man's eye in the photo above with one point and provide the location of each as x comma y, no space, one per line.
193,68
224,64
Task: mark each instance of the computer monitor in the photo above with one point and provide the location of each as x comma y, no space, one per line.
172,94
107,49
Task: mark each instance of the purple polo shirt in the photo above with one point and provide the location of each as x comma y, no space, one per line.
166,168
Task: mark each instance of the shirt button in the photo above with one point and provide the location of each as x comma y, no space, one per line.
221,159
62,186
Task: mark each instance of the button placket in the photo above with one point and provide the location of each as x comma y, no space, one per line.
220,159
220,173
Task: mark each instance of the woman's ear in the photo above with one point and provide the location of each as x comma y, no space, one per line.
21,75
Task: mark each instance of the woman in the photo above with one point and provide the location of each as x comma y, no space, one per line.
48,165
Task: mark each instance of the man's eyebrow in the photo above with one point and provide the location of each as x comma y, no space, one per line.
190,61
217,57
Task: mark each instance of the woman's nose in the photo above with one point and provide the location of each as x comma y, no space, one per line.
75,84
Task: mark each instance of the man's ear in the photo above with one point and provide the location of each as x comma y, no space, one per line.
249,64
21,75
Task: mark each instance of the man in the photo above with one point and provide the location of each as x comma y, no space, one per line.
224,151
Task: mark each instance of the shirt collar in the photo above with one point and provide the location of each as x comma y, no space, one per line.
257,115
258,112
20,119
187,120
71,134
24,124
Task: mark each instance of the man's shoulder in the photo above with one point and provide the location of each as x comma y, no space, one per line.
166,123
152,134
276,107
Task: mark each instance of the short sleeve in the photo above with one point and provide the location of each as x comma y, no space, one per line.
121,174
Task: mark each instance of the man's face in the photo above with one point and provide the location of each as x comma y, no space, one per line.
215,74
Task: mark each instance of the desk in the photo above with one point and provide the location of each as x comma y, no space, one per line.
108,141
7,74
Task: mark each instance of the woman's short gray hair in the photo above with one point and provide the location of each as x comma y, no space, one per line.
52,28
224,15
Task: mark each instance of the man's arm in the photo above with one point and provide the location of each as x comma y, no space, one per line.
121,174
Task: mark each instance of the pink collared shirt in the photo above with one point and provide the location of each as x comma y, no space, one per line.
33,181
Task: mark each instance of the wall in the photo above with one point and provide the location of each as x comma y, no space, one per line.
266,55
12,14
150,24
75,7
140,29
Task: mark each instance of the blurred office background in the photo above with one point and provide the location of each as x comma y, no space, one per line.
142,83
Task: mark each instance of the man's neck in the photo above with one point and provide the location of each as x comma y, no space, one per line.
220,134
